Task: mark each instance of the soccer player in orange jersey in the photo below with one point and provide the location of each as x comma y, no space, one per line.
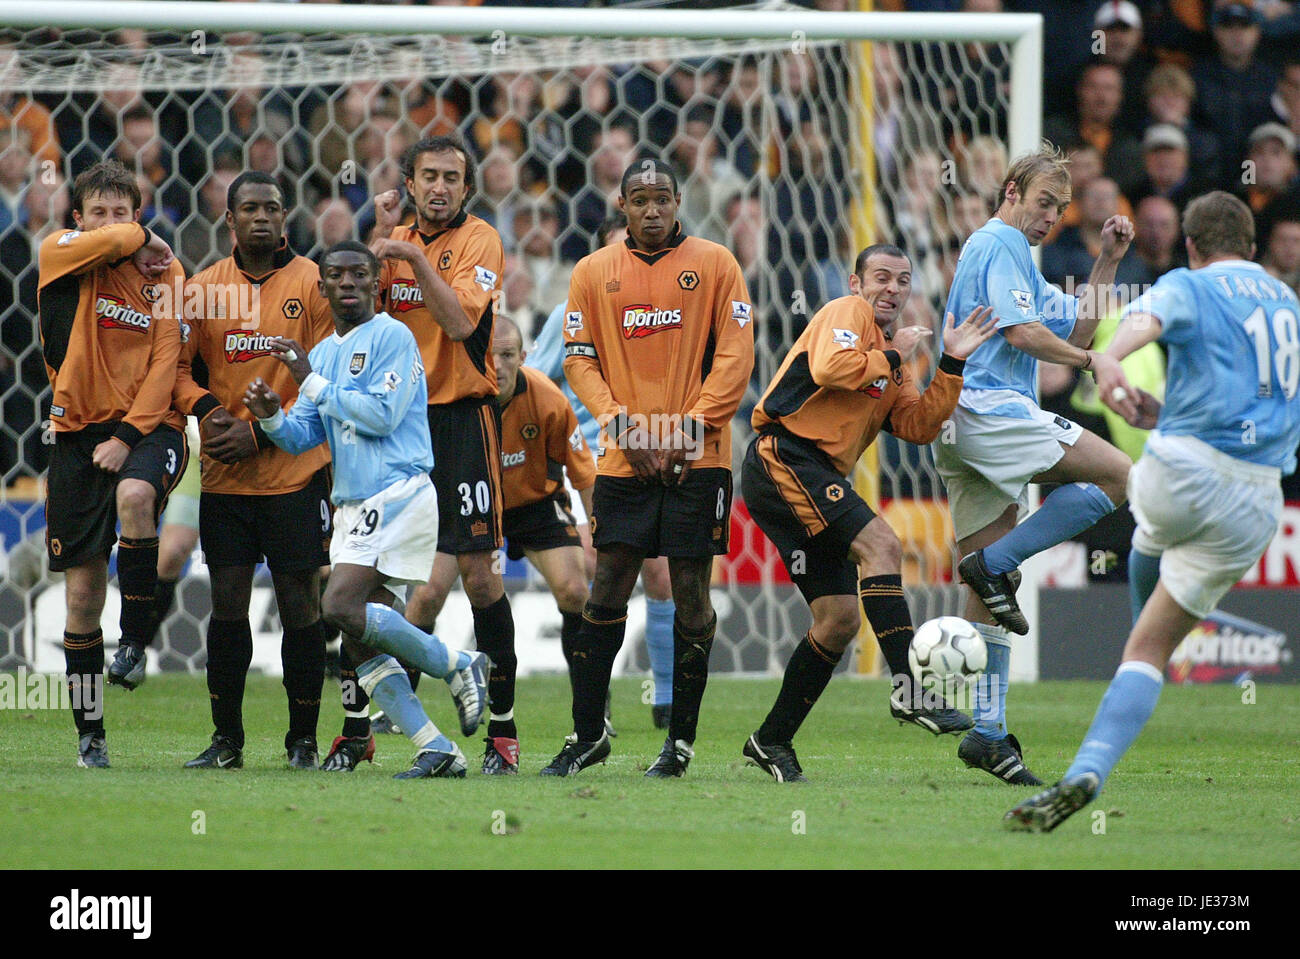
659,347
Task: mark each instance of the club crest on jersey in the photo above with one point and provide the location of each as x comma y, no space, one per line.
244,345
741,312
1024,301
113,313
835,492
444,261
404,295
151,292
485,278
689,280
358,363
846,339
573,322
643,320
529,431
292,308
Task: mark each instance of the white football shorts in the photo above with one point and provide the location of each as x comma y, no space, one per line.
986,461
1207,515
394,531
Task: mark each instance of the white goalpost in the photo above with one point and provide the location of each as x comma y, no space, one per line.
801,137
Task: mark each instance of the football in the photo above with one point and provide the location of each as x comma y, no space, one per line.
947,651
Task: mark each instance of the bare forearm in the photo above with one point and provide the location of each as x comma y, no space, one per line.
1042,344
441,300
1095,300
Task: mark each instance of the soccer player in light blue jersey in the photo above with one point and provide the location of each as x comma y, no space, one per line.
1001,441
1206,493
363,391
547,355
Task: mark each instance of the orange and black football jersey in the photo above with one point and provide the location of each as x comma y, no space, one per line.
232,317
468,256
111,337
841,384
539,438
657,339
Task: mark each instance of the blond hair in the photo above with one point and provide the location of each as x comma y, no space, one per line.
1047,162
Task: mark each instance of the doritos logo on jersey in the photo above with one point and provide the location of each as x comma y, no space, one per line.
643,320
513,459
846,339
741,312
358,363
404,295
115,314
876,388
244,345
444,261
529,431
1024,301
573,322
485,278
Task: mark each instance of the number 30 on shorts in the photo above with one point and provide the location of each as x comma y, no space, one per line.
468,495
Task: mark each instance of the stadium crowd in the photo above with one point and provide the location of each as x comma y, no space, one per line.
1155,101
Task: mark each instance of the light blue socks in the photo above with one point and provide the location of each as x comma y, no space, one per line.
990,700
386,683
1128,704
388,631
1067,511
659,615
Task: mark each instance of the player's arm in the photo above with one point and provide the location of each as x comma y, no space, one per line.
571,449
582,362
733,351
836,358
153,401
297,431
1094,298
918,417
375,406
1138,407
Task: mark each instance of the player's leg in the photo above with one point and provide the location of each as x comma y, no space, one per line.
85,588
176,545
380,631
494,634
563,570
229,644
152,469
659,615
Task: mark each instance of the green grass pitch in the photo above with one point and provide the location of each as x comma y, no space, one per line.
1210,784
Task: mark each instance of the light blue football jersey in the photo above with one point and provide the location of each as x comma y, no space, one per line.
995,269
367,398
1233,334
547,356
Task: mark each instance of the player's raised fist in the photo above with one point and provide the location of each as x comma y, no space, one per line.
395,250
388,210
961,341
1116,235
261,400
908,340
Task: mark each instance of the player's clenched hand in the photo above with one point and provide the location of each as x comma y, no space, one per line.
261,400
908,340
110,455
215,423
235,444
959,342
395,250
152,259
1116,235
388,211
1148,410
675,458
293,355
645,462
1113,386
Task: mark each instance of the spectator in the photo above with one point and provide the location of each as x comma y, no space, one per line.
498,186
334,224
518,296
1285,102
204,237
983,162
1233,88
1166,160
536,227
744,216
742,104
707,180
15,168
615,149
1156,241
1270,173
160,219
1170,95
1121,44
20,113
1069,260
1099,93
1282,249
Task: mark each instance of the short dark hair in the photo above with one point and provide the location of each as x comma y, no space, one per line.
885,249
249,176
647,165
617,221
107,178
440,144
1219,224
351,246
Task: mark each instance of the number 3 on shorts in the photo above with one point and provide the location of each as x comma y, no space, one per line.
171,462
468,495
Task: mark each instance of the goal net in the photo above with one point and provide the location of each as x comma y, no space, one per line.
796,146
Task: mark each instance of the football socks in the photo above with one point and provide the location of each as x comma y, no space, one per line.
356,704
598,643
385,682
83,654
137,577
164,595
570,623
690,676
1143,574
806,676
387,630
659,616
494,634
1067,511
887,612
1128,704
302,654
989,704
230,651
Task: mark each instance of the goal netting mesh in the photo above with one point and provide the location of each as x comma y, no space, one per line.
793,153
